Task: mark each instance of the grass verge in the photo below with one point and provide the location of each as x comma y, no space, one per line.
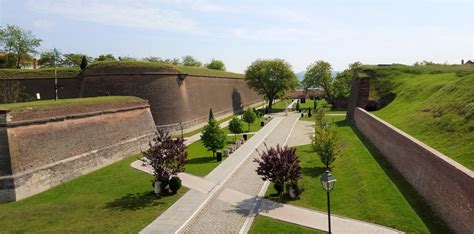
367,188
114,199
262,224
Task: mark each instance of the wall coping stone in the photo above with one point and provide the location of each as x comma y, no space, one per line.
73,116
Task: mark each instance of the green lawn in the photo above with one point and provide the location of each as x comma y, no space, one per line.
437,109
114,199
62,72
262,224
72,102
367,188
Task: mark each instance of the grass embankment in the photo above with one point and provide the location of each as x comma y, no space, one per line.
197,71
62,72
367,188
114,199
200,160
72,72
65,103
262,224
435,104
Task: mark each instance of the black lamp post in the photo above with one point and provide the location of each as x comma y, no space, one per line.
328,181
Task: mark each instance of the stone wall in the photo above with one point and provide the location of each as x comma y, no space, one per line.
174,99
446,185
44,153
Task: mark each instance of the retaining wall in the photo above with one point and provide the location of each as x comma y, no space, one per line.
173,97
37,154
446,185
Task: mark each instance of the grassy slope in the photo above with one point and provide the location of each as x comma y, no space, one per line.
366,188
51,104
63,72
71,72
437,109
114,199
262,224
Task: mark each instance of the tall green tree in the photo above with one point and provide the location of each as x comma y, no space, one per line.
211,115
216,65
271,78
84,62
50,58
189,60
325,141
343,80
249,117
106,57
213,138
74,60
318,74
19,42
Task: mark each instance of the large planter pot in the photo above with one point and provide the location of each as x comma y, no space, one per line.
157,187
245,137
219,156
262,123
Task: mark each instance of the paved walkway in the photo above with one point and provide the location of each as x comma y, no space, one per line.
191,204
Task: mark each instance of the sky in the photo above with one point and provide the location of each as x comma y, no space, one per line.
239,32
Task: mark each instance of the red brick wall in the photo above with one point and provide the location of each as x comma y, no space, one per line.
172,100
43,155
445,184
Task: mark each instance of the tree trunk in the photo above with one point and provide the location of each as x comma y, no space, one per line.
18,61
270,103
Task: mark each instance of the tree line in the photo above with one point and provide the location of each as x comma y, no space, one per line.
21,45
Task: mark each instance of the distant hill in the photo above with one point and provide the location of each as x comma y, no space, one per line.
300,75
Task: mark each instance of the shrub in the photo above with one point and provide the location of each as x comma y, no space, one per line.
249,117
279,165
213,138
166,156
235,127
175,184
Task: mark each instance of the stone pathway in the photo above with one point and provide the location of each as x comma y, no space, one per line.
188,206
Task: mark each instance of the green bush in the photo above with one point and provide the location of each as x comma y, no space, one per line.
175,184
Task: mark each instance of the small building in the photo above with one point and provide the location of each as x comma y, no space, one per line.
467,62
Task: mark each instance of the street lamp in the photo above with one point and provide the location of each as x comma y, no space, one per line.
328,181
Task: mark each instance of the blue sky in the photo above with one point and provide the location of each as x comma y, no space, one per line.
238,32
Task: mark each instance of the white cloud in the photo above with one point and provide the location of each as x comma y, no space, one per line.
126,13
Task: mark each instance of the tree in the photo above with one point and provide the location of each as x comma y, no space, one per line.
7,61
216,65
211,115
325,141
279,165
174,61
84,62
50,58
166,156
190,61
213,138
249,117
106,57
127,58
271,78
153,59
343,80
74,60
318,74
19,42
235,127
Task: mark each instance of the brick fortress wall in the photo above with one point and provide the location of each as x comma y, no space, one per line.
37,154
172,100
447,186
